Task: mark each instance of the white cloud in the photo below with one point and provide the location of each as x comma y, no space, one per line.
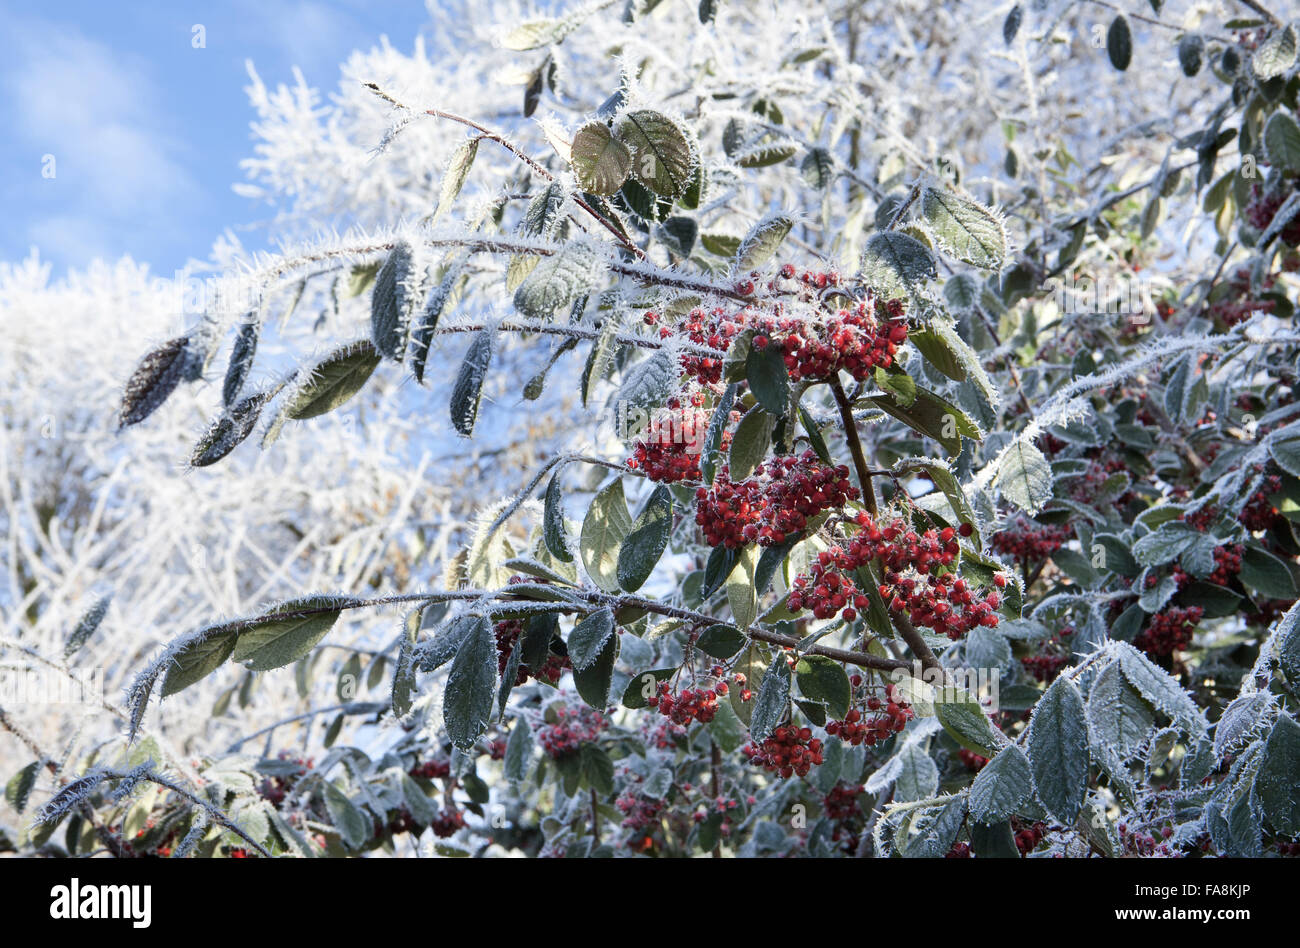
95,111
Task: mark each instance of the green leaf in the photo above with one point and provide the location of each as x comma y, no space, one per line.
918,775
534,34
1190,49
1159,688
229,430
588,638
741,594
895,263
599,359
1275,782
752,663
713,436
519,751
423,333
89,622
600,161
933,830
603,530
558,279
471,685
1266,574
721,641
768,379
965,721
1119,715
646,541
642,686
722,560
1058,750
964,228
347,817
20,785
662,158
404,672
823,679
772,702
1119,43
554,533
1001,786
1282,142
1024,477
333,381
932,416
597,768
593,682
648,383
761,243
288,633
390,303
468,389
818,168
457,171
750,443
1276,55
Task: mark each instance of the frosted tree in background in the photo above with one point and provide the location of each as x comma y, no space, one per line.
673,429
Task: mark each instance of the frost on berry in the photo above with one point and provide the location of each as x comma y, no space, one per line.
774,503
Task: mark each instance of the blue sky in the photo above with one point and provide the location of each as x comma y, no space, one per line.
145,130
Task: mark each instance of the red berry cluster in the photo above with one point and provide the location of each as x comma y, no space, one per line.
1264,206
851,340
573,727
507,635
972,760
669,450
715,329
1044,667
1259,513
1029,541
944,603
274,789
1028,836
842,802
959,851
931,604
789,750
855,729
772,504
642,815
447,822
438,768
691,704
1169,631
1227,564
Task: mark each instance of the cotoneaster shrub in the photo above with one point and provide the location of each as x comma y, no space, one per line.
903,413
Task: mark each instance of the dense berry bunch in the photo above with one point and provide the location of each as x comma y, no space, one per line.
852,340
1044,667
573,727
691,704
1028,836
1264,206
774,503
1227,564
507,635
788,751
1028,541
669,449
842,802
439,767
1259,514
1169,631
447,822
716,329
642,815
945,604
891,718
